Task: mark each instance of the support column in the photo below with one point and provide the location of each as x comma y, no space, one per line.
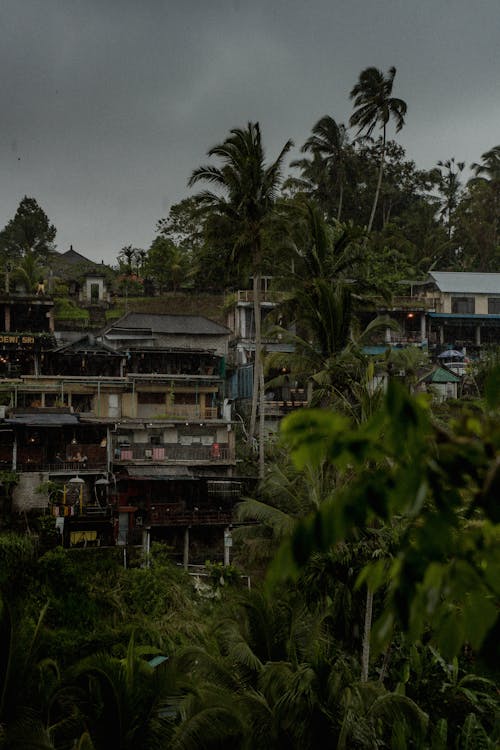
146,545
423,332
186,548
14,453
228,543
478,334
7,318
387,335
441,335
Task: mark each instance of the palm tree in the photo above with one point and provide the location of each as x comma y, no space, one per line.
376,107
449,186
319,301
489,173
28,272
127,256
245,202
330,141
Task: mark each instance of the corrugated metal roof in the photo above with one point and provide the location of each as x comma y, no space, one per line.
441,375
44,420
455,282
463,316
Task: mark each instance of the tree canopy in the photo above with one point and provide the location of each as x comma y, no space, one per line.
29,231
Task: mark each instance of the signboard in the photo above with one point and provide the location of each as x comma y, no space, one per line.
12,338
228,539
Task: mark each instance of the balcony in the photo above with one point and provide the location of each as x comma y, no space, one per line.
246,295
177,411
80,458
171,515
173,453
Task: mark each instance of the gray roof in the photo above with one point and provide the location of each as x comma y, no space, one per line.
87,343
177,324
467,283
43,420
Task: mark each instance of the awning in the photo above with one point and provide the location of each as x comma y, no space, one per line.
157,472
463,316
44,420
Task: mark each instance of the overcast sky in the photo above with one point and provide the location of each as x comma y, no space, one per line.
108,105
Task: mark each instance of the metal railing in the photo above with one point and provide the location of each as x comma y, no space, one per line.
172,452
181,411
166,515
63,467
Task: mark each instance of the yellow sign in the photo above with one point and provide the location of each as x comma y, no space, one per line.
7,338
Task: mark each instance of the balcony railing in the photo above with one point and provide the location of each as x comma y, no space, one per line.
171,452
278,408
63,467
179,411
168,515
246,295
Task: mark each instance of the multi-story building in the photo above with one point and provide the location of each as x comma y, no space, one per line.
467,309
128,431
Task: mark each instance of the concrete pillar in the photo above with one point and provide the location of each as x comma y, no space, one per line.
478,335
14,453
186,548
423,326
387,335
7,318
228,541
441,335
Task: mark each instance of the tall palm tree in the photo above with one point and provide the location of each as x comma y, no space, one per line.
329,140
449,185
376,106
247,191
488,172
319,301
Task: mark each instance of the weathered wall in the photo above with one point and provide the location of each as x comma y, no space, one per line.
25,496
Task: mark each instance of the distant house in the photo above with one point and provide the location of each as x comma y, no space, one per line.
441,382
87,281
466,308
190,333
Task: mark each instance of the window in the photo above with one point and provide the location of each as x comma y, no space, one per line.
94,292
463,305
494,306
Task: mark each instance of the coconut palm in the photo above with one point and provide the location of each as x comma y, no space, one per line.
449,186
28,272
244,204
488,174
326,279
376,106
329,140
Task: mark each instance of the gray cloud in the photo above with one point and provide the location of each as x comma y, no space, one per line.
107,107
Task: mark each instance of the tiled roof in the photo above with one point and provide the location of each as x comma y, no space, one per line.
177,324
